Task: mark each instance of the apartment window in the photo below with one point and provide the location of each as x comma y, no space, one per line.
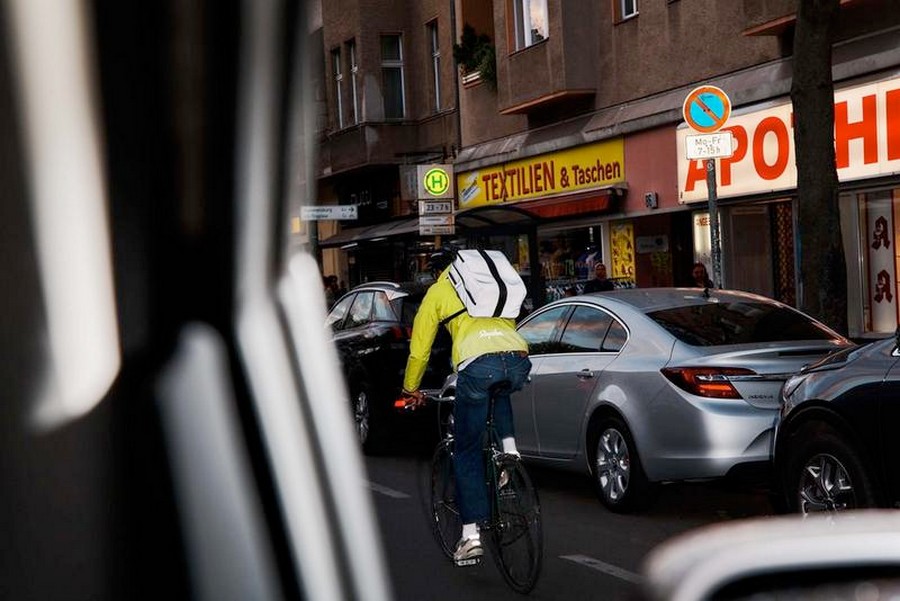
435,63
626,9
392,77
354,81
530,18
338,82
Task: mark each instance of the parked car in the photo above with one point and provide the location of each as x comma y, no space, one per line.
836,438
371,327
855,556
642,386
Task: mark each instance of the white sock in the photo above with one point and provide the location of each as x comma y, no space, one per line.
470,530
509,446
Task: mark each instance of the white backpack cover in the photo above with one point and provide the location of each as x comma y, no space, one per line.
487,284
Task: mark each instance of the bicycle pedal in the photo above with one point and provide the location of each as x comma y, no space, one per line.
466,563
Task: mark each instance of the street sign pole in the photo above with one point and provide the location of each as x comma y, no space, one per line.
714,222
706,110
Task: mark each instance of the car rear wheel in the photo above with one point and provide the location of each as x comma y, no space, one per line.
618,475
825,474
361,398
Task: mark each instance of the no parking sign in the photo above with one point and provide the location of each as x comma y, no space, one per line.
706,109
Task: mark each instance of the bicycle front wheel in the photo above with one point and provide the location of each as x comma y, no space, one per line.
517,536
446,524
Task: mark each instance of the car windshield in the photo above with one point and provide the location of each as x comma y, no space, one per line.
715,324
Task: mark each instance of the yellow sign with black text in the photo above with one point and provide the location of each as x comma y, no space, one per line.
578,169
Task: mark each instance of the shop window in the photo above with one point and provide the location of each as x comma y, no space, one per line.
530,22
879,226
567,261
392,77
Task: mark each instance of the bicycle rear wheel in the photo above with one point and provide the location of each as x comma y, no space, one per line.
446,524
517,536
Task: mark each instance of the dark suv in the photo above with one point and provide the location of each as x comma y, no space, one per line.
371,327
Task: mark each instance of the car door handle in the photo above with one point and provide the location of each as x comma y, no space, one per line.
585,374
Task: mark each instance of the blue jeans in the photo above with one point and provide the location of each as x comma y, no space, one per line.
470,413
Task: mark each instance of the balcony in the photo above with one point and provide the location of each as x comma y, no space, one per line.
553,71
386,143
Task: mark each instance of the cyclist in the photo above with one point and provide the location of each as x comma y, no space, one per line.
485,351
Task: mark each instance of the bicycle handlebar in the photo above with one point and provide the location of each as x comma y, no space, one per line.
431,396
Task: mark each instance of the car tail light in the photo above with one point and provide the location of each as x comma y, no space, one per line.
401,332
709,382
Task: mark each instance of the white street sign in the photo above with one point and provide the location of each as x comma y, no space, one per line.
328,212
710,146
435,220
435,207
436,230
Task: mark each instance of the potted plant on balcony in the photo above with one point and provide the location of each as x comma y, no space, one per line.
476,55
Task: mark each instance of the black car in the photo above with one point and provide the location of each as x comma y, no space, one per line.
371,327
836,437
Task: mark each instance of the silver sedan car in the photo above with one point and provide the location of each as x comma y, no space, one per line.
642,386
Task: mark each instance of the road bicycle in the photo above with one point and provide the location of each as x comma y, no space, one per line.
514,534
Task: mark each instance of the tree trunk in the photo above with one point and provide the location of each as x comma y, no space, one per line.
823,268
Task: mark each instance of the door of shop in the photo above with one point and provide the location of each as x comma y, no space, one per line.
759,250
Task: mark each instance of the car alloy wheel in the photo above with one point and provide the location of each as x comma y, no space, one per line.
613,465
825,485
825,473
619,475
361,415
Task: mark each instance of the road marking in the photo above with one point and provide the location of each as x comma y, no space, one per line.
606,568
388,492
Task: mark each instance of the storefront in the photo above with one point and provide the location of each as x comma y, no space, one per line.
757,190
549,214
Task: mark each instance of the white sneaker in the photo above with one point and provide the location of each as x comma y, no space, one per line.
468,552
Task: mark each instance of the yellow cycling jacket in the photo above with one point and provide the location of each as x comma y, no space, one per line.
472,336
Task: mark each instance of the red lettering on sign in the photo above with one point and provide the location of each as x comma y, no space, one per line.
771,125
550,175
844,131
696,173
740,151
892,102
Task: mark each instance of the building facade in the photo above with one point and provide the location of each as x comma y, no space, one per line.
389,85
583,131
569,145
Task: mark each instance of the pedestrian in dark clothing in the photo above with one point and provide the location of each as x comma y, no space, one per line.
700,277
600,283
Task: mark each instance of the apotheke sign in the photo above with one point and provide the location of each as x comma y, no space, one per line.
867,144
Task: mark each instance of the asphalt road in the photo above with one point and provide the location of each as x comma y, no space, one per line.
589,553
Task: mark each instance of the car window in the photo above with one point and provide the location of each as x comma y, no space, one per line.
585,330
383,310
539,332
336,316
360,310
713,324
407,307
615,337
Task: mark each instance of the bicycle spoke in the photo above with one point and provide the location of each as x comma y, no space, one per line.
517,537
446,524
